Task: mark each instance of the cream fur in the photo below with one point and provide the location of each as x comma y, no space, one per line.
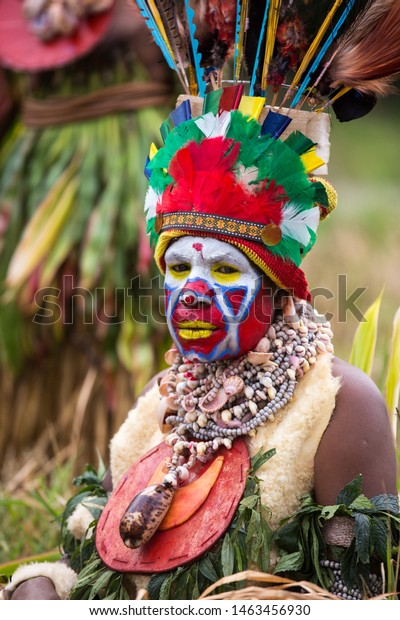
295,434
78,523
62,576
138,434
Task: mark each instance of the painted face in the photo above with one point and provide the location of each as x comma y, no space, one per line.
218,303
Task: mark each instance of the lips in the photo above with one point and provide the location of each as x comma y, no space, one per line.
195,330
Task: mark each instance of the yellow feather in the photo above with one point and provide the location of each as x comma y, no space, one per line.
160,26
311,160
251,106
314,45
342,91
272,26
153,151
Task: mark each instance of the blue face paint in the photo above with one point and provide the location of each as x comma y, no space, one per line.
211,288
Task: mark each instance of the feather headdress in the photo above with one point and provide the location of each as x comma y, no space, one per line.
301,53
241,144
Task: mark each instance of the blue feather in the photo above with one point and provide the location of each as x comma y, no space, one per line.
322,52
147,170
254,74
152,26
275,124
182,113
195,46
237,31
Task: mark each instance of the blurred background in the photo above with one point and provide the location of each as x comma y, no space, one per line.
66,387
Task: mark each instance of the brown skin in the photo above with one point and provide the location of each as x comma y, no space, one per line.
35,589
357,440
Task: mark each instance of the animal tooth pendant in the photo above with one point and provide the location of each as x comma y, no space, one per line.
145,513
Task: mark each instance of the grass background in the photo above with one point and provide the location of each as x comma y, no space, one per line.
360,240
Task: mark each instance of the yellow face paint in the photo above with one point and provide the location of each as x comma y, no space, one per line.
178,272
193,330
223,273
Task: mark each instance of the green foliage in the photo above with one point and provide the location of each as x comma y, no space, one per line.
376,530
94,497
363,349
393,371
29,526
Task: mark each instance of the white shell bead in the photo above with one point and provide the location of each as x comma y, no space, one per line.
226,416
266,381
182,473
201,448
253,407
202,420
249,392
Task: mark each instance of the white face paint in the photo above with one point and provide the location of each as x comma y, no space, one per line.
210,287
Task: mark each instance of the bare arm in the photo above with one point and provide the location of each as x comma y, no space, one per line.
357,440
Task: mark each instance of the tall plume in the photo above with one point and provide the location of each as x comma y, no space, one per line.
368,55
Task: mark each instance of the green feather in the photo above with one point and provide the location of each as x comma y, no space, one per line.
211,101
320,195
150,229
299,143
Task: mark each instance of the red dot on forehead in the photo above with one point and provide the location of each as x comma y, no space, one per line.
198,246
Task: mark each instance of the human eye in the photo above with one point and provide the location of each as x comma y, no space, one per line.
226,269
180,267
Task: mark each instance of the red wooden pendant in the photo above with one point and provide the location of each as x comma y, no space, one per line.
21,50
182,544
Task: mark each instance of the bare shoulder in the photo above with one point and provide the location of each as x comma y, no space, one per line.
358,439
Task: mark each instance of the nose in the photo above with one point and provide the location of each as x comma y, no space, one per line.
193,299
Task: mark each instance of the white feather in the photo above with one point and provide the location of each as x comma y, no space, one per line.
150,204
214,126
296,223
247,176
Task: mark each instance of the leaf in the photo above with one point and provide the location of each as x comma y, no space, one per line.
260,458
290,562
363,349
349,566
207,569
227,556
165,588
238,559
287,536
264,556
254,528
387,503
316,552
362,530
379,537
393,371
351,491
249,502
361,503
329,511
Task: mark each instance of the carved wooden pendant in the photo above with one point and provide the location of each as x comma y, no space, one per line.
187,541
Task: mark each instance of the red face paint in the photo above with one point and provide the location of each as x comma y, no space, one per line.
219,304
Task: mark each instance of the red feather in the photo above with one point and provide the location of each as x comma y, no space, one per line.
205,181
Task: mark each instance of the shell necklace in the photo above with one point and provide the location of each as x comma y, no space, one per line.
205,406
